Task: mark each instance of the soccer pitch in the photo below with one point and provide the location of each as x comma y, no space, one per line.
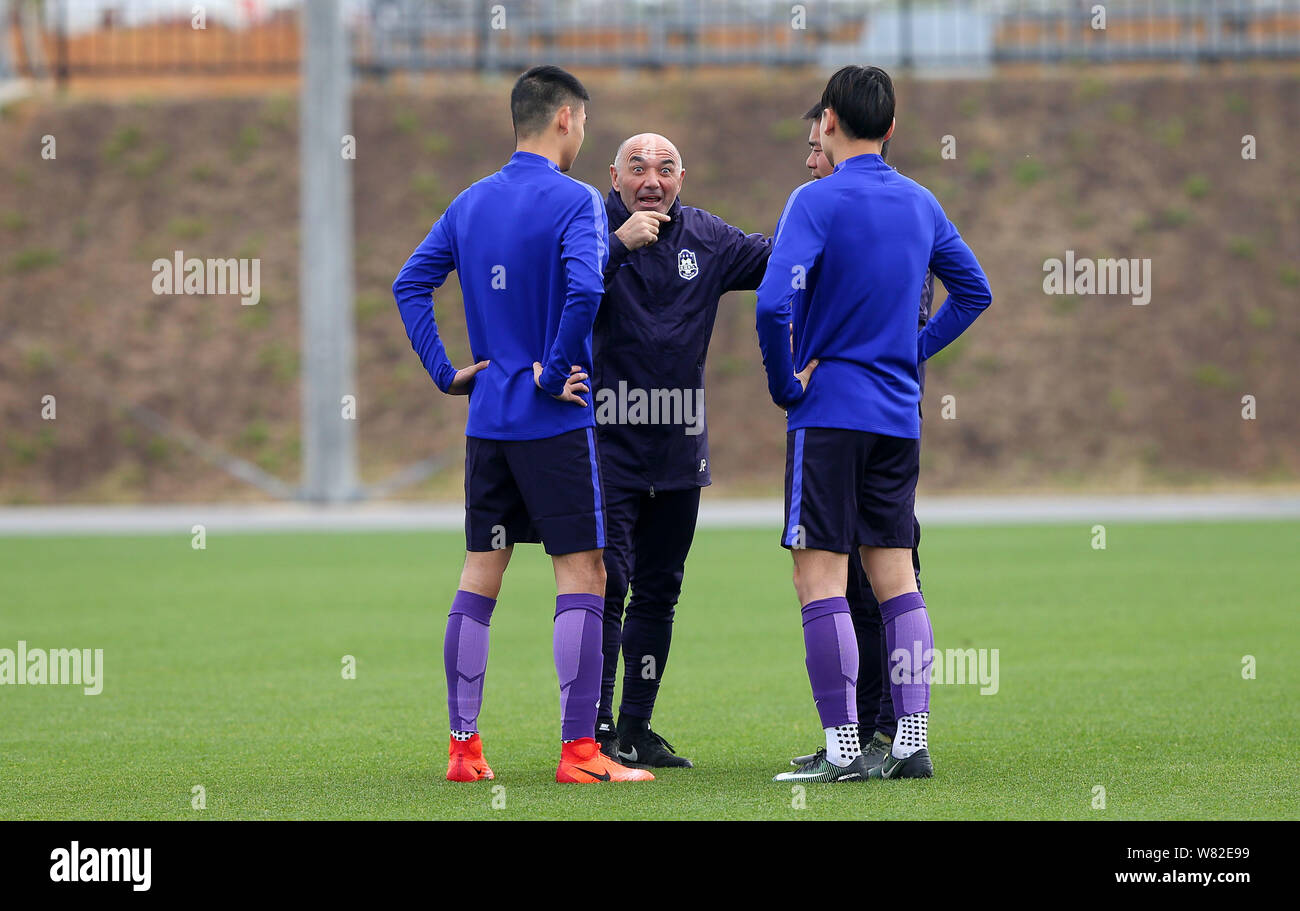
1119,668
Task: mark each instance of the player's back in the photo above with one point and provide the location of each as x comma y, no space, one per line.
517,268
859,314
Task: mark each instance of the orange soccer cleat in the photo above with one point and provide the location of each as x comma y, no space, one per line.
582,762
465,761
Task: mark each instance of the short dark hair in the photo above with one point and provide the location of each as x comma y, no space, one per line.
815,113
538,94
862,98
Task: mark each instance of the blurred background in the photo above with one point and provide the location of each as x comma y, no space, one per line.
1161,130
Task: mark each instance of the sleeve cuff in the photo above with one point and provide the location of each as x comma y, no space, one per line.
445,377
552,381
788,395
617,253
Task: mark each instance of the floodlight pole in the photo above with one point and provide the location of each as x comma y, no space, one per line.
329,447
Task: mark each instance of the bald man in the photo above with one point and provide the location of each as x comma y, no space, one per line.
668,266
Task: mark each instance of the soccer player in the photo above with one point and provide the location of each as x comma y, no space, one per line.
876,722
529,246
668,265
847,268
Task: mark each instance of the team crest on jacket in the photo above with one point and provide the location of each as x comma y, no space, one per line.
687,267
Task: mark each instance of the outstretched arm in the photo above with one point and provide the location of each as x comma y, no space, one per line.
747,259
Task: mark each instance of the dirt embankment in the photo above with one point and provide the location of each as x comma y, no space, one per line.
1048,390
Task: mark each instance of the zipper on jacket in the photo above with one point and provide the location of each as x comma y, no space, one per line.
652,491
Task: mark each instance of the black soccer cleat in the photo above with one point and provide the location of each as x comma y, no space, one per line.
874,749
819,769
607,737
918,765
641,748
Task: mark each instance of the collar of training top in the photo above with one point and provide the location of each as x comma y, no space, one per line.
618,213
533,158
869,160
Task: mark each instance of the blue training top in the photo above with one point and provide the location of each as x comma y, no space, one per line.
529,245
848,265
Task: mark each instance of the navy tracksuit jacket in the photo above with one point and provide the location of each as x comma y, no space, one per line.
652,332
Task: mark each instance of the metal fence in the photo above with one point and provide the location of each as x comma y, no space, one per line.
412,35
81,38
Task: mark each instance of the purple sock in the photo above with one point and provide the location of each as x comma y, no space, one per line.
831,654
578,661
464,657
911,649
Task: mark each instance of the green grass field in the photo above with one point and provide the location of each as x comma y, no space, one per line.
1120,668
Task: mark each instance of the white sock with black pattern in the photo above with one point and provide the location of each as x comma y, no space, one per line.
911,735
842,746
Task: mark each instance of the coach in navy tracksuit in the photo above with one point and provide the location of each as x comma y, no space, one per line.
668,265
